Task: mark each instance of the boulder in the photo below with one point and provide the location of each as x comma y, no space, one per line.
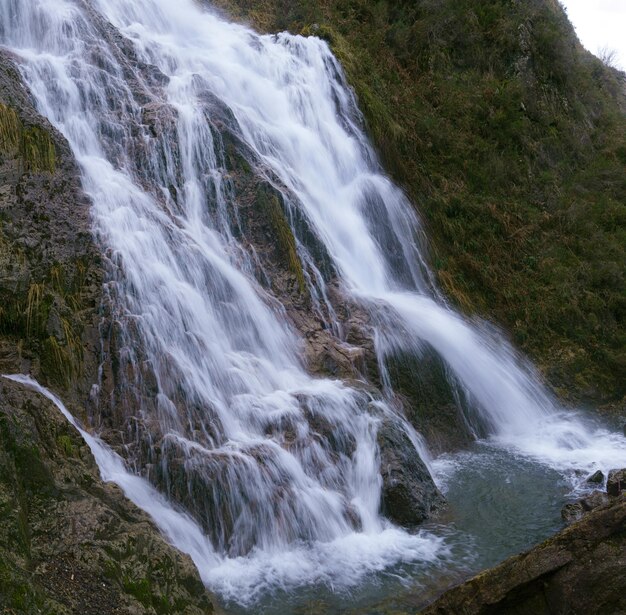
596,478
580,571
409,494
616,482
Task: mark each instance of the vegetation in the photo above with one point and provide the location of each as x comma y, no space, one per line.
34,146
286,242
510,139
44,319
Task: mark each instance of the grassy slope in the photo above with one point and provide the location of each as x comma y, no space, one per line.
510,139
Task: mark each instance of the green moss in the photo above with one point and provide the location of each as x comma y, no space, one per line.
286,241
142,590
33,144
37,150
10,129
66,446
57,362
139,589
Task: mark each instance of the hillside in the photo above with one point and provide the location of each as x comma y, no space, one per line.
510,139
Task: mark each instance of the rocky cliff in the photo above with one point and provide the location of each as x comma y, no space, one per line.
50,270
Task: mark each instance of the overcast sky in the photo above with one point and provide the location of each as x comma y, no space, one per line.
600,24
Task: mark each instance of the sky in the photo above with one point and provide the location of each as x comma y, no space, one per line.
600,24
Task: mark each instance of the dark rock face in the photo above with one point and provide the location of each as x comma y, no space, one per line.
431,402
616,483
409,495
579,572
50,269
596,477
70,543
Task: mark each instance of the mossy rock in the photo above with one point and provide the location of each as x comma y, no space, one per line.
32,144
68,542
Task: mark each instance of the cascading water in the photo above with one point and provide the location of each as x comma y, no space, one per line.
135,87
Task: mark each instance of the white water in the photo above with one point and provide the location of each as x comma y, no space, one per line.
339,563
176,526
234,401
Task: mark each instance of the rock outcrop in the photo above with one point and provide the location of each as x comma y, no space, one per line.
50,269
580,571
70,543
409,495
616,482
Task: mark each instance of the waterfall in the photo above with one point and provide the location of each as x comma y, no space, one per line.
269,459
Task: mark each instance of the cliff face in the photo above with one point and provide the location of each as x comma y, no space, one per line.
50,270
510,139
68,542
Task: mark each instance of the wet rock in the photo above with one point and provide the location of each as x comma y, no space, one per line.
572,512
580,571
70,543
594,500
596,478
616,482
432,404
409,495
50,269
